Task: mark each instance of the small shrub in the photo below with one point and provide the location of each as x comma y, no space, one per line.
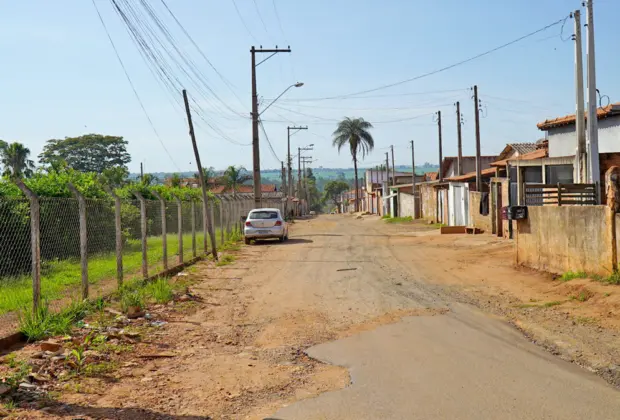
132,299
225,260
551,304
572,275
160,290
614,278
42,323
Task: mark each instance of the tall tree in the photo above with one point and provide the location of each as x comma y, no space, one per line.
175,180
209,174
87,153
354,133
235,176
149,179
115,177
333,189
14,159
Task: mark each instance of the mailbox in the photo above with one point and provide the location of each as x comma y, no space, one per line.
518,212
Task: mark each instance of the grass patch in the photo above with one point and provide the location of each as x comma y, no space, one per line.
225,260
540,305
386,216
42,323
406,219
98,369
159,290
437,225
572,275
585,320
581,297
551,304
614,278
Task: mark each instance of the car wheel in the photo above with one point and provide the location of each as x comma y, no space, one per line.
247,241
281,238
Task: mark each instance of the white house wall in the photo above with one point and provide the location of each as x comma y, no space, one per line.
563,140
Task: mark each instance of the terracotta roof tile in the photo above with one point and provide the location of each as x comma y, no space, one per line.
536,154
604,112
471,175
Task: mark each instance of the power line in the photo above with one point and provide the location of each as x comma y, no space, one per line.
374,96
243,21
120,60
451,66
275,9
275,156
260,17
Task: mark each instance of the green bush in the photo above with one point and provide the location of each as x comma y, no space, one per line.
42,323
159,290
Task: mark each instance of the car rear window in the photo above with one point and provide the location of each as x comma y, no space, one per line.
261,215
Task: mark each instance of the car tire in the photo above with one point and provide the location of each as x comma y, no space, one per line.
281,238
247,241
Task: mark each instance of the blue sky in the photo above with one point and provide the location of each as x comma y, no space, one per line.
60,76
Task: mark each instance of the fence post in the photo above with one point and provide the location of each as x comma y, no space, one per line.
164,234
193,228
214,226
205,223
221,221
83,238
559,194
145,263
180,228
119,235
35,242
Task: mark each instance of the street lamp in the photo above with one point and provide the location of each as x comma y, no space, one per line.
298,84
255,146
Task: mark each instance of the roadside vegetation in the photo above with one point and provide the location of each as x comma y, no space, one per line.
613,278
406,219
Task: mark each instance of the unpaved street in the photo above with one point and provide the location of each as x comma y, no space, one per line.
357,319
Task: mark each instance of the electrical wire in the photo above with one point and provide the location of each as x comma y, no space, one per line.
273,153
275,10
243,22
451,66
133,88
261,18
374,96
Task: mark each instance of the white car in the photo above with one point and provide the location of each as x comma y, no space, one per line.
265,224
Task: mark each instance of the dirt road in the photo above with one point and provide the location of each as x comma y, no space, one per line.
379,309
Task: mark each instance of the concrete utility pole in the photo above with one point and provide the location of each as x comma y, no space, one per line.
580,171
299,172
284,188
413,169
393,166
141,172
594,173
255,144
206,217
290,163
459,159
440,150
386,189
478,162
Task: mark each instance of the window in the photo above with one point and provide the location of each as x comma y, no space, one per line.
559,173
263,215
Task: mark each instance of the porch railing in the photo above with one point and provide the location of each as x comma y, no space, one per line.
560,194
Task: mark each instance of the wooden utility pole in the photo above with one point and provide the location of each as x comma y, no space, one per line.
440,149
299,172
206,214
459,159
478,162
393,166
255,144
289,161
141,172
413,169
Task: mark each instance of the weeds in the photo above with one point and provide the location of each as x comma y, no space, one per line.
78,358
406,219
572,275
585,320
10,405
536,305
437,225
160,290
132,299
39,324
551,304
17,376
225,260
614,278
98,369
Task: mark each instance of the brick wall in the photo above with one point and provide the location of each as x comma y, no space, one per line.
477,219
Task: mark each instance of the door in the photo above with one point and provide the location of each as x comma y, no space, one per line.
459,216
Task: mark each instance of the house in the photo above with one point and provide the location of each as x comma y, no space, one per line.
468,164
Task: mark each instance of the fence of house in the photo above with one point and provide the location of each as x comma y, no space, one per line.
560,194
58,249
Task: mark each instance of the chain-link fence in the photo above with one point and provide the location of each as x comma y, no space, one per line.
61,249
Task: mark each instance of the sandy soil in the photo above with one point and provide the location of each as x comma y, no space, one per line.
239,354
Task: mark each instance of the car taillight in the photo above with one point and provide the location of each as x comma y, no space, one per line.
278,223
249,224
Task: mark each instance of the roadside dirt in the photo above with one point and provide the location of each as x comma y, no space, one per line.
239,353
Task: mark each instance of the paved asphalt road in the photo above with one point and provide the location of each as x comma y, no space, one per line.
460,365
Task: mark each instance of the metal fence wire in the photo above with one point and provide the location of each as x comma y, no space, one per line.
79,232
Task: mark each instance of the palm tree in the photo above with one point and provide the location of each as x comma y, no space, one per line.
354,132
14,158
175,180
235,176
208,173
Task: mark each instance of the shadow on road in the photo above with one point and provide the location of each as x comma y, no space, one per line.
77,411
322,234
291,241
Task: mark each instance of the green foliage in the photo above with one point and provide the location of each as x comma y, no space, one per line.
406,219
614,278
14,160
225,260
572,275
115,177
235,176
87,153
132,298
175,180
333,189
42,323
159,290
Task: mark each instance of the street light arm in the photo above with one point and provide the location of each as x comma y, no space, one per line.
298,84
